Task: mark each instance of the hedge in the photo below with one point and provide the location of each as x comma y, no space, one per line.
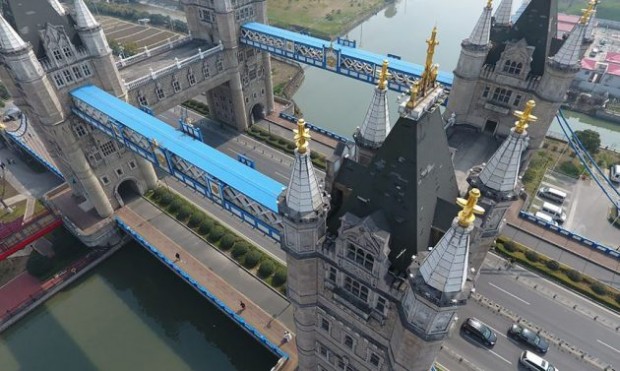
216,233
266,269
205,227
175,205
279,278
239,250
195,220
252,258
227,241
184,212
553,265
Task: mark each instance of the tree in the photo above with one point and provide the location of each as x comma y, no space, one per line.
590,139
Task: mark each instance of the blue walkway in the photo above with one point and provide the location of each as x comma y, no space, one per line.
154,140
344,60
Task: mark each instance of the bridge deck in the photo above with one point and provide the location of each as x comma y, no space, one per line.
162,60
250,182
206,276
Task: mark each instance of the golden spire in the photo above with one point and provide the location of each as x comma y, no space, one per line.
525,117
489,4
384,75
470,208
301,136
415,88
587,13
428,65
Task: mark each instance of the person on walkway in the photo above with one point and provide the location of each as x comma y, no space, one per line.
177,257
287,337
242,304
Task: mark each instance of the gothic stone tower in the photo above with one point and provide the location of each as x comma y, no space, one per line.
504,64
47,51
248,93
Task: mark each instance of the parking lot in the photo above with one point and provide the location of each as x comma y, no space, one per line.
586,207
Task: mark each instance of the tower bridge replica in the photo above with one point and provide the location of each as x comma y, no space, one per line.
367,293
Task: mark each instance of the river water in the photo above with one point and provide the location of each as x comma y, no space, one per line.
130,313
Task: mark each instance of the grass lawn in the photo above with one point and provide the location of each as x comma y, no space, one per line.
8,189
322,18
18,211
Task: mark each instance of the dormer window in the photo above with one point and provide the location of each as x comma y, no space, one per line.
67,51
57,55
359,256
512,67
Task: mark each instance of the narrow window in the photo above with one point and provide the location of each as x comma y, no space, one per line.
86,70
375,359
68,76
348,341
325,324
77,72
57,55
105,180
67,51
486,91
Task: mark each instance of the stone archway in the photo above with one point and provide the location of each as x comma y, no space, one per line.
127,191
257,113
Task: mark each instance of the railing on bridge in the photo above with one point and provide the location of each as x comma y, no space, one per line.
245,192
147,53
315,128
344,60
23,145
177,65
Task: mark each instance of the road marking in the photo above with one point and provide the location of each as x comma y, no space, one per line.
502,358
498,332
609,346
280,175
508,293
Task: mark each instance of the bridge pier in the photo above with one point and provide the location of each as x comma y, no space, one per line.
148,172
268,84
238,102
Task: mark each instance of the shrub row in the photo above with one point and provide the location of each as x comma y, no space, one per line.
242,251
565,275
284,145
197,106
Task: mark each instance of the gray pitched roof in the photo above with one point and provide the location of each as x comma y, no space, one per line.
303,194
83,17
503,13
502,170
376,125
9,39
480,34
569,55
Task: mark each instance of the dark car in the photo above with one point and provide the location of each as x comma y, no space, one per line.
479,331
528,337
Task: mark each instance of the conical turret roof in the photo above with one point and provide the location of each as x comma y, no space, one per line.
569,55
10,40
503,13
83,17
482,31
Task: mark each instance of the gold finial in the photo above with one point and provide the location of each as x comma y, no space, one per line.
428,65
2,127
489,4
525,117
384,75
433,78
587,13
301,136
470,208
415,88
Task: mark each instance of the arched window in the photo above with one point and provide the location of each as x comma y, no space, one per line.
360,257
357,289
512,67
502,95
506,66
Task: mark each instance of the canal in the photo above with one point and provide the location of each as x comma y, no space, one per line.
130,313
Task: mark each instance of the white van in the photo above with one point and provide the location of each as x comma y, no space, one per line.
557,212
552,194
535,363
614,173
545,218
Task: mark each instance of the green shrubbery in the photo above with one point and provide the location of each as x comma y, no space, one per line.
219,236
197,106
38,265
284,145
553,265
573,275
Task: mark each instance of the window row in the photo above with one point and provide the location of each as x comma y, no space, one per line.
105,180
206,15
245,13
512,67
503,96
358,289
62,53
71,75
360,256
342,362
176,86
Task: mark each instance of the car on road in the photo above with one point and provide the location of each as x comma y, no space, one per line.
614,173
534,362
552,194
479,331
528,337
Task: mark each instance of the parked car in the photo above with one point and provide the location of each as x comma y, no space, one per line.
533,362
552,194
614,173
529,338
479,331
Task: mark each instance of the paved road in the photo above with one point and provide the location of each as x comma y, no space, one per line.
599,338
563,256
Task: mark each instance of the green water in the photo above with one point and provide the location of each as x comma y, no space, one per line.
130,313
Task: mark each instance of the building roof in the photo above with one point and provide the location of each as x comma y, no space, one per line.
303,194
570,53
252,183
537,24
480,34
566,23
612,57
83,16
611,63
502,170
503,12
409,175
9,39
376,125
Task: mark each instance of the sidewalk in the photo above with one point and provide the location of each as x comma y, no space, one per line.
266,310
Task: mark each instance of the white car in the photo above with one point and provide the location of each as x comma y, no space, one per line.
534,362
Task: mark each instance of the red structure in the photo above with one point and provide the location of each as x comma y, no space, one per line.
16,235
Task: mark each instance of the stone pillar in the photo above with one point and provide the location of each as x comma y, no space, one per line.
238,102
147,171
268,83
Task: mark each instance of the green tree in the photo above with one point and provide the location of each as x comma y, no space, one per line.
590,139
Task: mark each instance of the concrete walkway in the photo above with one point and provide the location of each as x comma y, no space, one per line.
266,310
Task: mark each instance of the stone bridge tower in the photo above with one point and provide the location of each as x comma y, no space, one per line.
248,95
46,51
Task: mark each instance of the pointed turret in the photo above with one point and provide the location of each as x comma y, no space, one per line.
10,41
569,55
482,31
376,126
303,195
445,268
83,17
57,7
589,36
501,173
503,13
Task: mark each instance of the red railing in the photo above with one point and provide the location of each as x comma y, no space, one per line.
21,235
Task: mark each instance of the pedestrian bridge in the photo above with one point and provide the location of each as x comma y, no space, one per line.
335,57
238,188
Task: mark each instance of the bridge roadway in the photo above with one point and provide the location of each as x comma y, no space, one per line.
266,310
555,316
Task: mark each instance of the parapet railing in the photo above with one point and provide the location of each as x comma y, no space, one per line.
177,65
315,128
203,291
573,236
38,157
147,53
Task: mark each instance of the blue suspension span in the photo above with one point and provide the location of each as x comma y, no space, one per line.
341,59
573,141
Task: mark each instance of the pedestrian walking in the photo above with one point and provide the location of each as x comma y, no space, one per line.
287,337
242,304
177,257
